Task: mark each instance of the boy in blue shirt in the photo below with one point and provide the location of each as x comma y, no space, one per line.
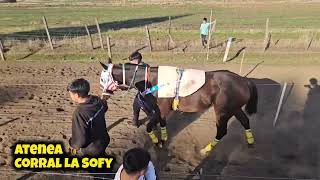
204,31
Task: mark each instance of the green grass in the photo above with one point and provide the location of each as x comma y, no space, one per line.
288,22
229,18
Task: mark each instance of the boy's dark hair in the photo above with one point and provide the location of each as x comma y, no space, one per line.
80,87
313,81
205,19
135,55
135,160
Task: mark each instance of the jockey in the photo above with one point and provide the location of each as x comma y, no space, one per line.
148,103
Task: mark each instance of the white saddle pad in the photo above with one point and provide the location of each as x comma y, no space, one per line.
192,80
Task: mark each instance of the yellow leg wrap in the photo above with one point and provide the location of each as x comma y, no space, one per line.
205,151
153,137
164,134
175,104
249,136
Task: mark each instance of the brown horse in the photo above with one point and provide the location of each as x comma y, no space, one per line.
226,91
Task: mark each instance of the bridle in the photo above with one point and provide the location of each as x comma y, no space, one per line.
112,85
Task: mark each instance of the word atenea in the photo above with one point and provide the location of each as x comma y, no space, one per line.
38,149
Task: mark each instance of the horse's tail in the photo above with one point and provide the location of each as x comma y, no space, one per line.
252,104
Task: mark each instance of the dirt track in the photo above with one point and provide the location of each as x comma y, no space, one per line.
290,149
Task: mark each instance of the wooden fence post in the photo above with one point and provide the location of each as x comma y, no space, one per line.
169,33
227,49
209,38
2,51
89,36
99,32
268,42
170,40
47,30
169,28
109,47
265,41
148,38
311,40
240,70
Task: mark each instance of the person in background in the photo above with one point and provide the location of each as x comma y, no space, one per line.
204,32
136,165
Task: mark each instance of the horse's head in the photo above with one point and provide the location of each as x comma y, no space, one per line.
107,81
121,76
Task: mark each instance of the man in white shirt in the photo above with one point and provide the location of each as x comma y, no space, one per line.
136,165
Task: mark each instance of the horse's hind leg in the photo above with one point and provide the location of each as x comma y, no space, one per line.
222,123
244,120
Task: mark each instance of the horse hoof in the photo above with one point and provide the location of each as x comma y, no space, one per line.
163,142
250,145
159,145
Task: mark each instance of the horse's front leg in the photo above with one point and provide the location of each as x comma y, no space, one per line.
222,123
165,108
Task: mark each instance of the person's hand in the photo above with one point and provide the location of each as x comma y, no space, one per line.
73,151
105,97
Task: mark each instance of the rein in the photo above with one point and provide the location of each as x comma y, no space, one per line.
134,77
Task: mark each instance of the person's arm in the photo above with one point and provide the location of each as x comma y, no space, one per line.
105,103
79,132
212,22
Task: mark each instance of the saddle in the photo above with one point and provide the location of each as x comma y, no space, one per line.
179,82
